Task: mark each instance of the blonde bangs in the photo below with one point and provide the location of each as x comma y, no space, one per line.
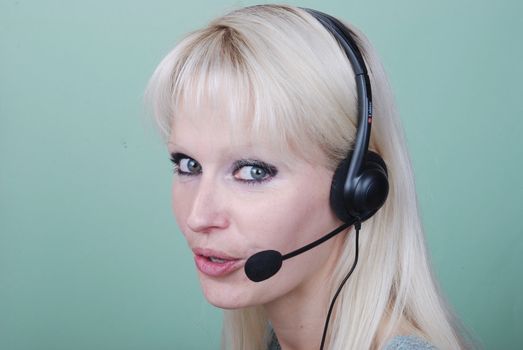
221,72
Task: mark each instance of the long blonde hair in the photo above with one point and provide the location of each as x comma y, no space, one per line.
281,74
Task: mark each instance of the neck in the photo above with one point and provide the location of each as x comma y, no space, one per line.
298,317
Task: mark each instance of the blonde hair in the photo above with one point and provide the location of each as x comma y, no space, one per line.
280,74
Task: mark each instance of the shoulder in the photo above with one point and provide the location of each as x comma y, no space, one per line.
409,342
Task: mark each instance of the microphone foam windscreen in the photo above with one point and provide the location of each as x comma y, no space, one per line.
263,265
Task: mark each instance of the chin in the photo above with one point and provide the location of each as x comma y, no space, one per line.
220,294
226,295
226,304
224,300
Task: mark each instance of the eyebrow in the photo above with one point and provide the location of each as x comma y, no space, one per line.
249,148
173,147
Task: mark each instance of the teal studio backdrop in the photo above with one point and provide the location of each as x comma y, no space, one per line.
90,256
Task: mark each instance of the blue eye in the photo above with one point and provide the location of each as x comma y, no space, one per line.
185,165
253,171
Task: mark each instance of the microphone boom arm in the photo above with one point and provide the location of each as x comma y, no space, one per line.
318,242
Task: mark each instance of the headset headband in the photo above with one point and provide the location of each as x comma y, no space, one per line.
361,144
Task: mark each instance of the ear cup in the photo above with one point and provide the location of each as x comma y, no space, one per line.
372,186
365,195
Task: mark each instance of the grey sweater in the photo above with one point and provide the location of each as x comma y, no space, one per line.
397,343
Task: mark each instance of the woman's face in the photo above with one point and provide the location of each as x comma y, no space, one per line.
234,200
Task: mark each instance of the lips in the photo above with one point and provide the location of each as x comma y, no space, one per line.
214,263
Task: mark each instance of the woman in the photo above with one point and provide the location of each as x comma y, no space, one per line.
260,108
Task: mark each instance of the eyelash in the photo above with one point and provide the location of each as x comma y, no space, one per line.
271,170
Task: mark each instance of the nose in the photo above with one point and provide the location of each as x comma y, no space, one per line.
208,209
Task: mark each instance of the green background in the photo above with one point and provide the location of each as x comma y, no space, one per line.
90,256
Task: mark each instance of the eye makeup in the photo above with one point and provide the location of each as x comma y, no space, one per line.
253,171
250,171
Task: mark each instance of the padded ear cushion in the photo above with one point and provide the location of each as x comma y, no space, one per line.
337,198
375,171
372,188
374,160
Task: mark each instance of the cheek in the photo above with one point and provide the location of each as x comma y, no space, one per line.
286,219
180,204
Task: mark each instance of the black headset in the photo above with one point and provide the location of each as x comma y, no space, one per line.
360,183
